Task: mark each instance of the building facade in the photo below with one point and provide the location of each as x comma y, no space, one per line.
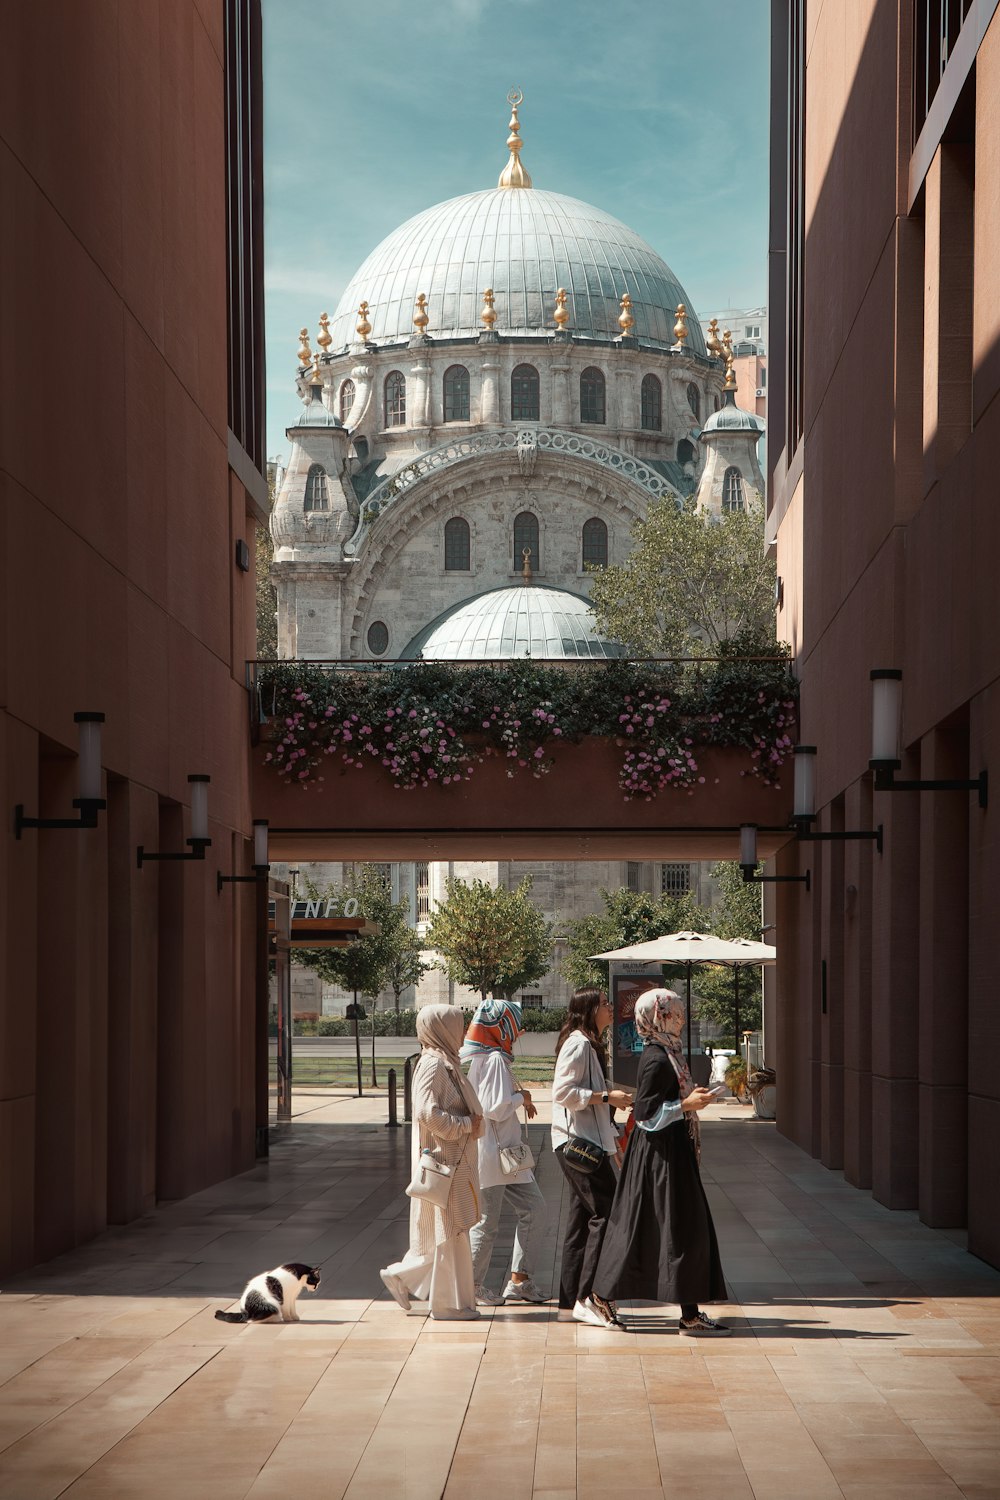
885,288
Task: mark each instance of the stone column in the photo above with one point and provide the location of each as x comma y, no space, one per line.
560,394
417,394
489,398
624,414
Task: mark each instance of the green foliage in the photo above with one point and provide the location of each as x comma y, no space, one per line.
267,599
374,962
693,584
490,939
628,917
737,915
404,1023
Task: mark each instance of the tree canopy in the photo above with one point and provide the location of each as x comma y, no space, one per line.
694,584
736,915
374,962
490,939
628,917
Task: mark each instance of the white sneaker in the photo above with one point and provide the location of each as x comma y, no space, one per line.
586,1312
458,1315
486,1298
399,1291
523,1291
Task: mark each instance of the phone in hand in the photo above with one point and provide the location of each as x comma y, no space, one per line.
719,1088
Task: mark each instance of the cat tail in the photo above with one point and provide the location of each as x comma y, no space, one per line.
228,1317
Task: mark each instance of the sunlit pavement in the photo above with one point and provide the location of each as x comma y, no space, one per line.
865,1358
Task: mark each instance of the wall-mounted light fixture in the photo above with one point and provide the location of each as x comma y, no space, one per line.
804,804
748,861
90,802
260,861
199,839
887,703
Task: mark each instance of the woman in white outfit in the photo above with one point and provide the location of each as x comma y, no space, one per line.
492,1032
447,1120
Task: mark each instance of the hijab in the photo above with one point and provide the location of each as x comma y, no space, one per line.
495,1026
439,1031
657,1014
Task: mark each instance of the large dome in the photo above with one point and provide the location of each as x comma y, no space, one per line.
525,244
522,620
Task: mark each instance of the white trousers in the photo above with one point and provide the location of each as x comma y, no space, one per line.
443,1279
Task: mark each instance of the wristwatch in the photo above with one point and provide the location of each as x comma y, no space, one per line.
604,1097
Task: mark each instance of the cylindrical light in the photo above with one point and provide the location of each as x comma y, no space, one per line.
804,802
89,758
199,809
260,843
887,694
748,844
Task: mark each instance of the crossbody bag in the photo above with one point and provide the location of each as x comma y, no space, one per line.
586,1156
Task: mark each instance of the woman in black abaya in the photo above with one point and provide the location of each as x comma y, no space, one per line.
660,1244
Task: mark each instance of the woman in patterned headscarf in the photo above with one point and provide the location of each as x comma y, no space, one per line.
448,1120
489,1041
660,1244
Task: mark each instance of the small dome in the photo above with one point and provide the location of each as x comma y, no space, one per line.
315,414
523,620
732,419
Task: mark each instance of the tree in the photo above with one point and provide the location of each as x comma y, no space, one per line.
737,915
694,584
490,939
405,965
628,917
374,962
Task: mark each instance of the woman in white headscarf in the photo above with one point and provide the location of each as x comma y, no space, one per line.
447,1120
660,1244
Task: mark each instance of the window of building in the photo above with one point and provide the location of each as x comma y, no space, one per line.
592,404
752,331
685,452
347,394
762,377
732,490
675,879
524,394
694,400
532,1002
378,637
716,403
938,23
526,535
395,399
633,875
651,398
457,548
456,394
317,493
422,877
595,543
244,111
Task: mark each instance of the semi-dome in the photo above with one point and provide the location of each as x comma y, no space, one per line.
525,243
523,620
732,419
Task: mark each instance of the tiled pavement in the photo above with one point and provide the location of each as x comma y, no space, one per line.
866,1358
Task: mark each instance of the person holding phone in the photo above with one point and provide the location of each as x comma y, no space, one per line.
660,1243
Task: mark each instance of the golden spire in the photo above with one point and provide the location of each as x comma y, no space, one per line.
305,353
712,343
526,573
513,174
730,384
364,328
324,338
681,326
316,374
561,314
626,321
488,315
421,317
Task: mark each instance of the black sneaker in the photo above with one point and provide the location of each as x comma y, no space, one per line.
702,1327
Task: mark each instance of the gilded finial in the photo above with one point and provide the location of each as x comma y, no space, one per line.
713,343
488,315
526,572
513,174
681,326
305,353
730,384
364,328
626,322
316,374
324,338
421,317
561,314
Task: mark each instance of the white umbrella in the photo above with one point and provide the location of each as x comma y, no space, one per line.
752,953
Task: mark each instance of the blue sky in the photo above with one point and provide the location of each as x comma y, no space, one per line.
655,110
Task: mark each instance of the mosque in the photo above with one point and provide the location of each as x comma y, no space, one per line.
507,381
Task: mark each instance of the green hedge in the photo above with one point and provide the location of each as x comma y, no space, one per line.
388,1023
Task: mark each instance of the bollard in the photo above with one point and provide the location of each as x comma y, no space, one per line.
392,1123
408,1087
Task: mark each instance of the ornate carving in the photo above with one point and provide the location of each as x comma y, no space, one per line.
527,450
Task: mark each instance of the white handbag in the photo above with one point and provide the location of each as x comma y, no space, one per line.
514,1159
432,1180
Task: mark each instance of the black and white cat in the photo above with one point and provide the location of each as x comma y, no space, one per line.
274,1294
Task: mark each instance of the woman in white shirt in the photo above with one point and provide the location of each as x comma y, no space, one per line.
581,1110
492,1032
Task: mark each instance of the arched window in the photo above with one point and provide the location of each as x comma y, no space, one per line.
732,490
592,407
652,404
694,400
395,399
346,399
526,535
595,543
685,452
524,402
456,394
378,637
716,403
456,545
317,494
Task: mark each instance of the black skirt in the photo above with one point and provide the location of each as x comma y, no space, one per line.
660,1243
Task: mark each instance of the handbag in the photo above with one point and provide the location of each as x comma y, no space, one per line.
586,1156
513,1159
432,1180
